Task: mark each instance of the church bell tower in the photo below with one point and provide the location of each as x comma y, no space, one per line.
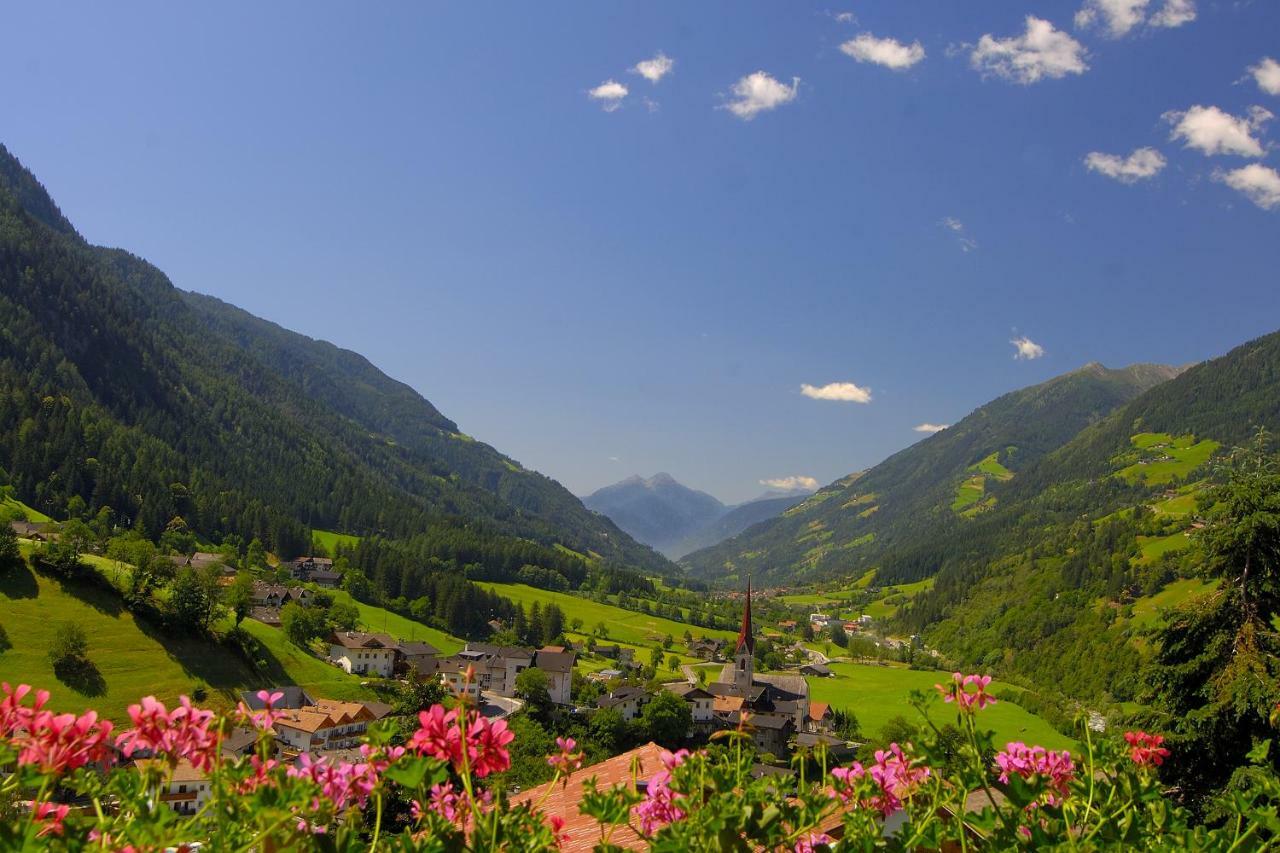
744,654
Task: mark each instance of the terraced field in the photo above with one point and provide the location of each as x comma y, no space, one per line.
1165,458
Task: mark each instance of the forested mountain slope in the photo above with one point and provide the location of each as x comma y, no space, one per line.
1063,580
120,389
944,482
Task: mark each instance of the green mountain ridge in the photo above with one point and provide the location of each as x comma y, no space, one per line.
856,522
130,394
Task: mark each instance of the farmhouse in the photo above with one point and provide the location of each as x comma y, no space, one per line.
701,703
278,595
359,653
627,700
326,724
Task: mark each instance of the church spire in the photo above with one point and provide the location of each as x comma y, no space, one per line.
746,638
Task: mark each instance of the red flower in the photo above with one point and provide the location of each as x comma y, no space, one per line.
58,743
1145,749
51,815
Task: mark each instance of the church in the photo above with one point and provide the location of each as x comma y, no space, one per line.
777,705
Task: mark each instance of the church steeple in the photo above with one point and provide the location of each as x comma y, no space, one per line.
744,654
746,637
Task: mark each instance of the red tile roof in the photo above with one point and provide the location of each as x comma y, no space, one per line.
562,801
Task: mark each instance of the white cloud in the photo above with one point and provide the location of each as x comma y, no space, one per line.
1118,16
1026,348
655,69
792,483
845,392
609,93
1259,183
930,428
1212,131
1040,52
1267,75
1121,16
758,92
963,240
1175,13
846,17
888,52
1141,164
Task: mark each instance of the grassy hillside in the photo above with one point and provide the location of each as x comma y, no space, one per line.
329,541
878,693
384,621
133,658
623,625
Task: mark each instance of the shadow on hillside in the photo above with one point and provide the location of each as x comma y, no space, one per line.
19,582
91,590
219,663
82,676
5,643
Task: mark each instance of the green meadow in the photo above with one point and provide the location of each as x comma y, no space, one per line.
132,658
1184,455
878,693
1147,610
626,626
330,541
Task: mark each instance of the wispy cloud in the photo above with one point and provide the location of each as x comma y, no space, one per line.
1119,17
888,52
963,240
792,483
1211,131
846,17
656,68
930,428
1040,52
1259,183
1142,164
758,92
1267,75
1026,349
609,93
845,392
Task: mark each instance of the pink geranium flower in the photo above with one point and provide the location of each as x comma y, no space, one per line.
59,743
186,732
808,843
567,760
1054,769
487,746
893,773
959,691
50,816
438,735
659,806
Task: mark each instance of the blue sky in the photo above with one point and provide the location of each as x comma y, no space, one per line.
602,291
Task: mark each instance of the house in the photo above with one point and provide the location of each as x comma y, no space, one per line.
622,654
864,619
821,717
417,656
562,799
787,625
492,668
626,700
304,568
326,578
558,665
701,703
850,627
819,620
188,789
360,653
707,649
606,675
278,595
816,669
27,530
326,724
837,749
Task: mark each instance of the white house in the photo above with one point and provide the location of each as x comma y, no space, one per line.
701,703
558,665
359,653
188,789
627,700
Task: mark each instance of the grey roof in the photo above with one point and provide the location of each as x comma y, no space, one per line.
621,696
555,661
685,690
792,684
417,647
294,697
815,738
361,640
516,652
